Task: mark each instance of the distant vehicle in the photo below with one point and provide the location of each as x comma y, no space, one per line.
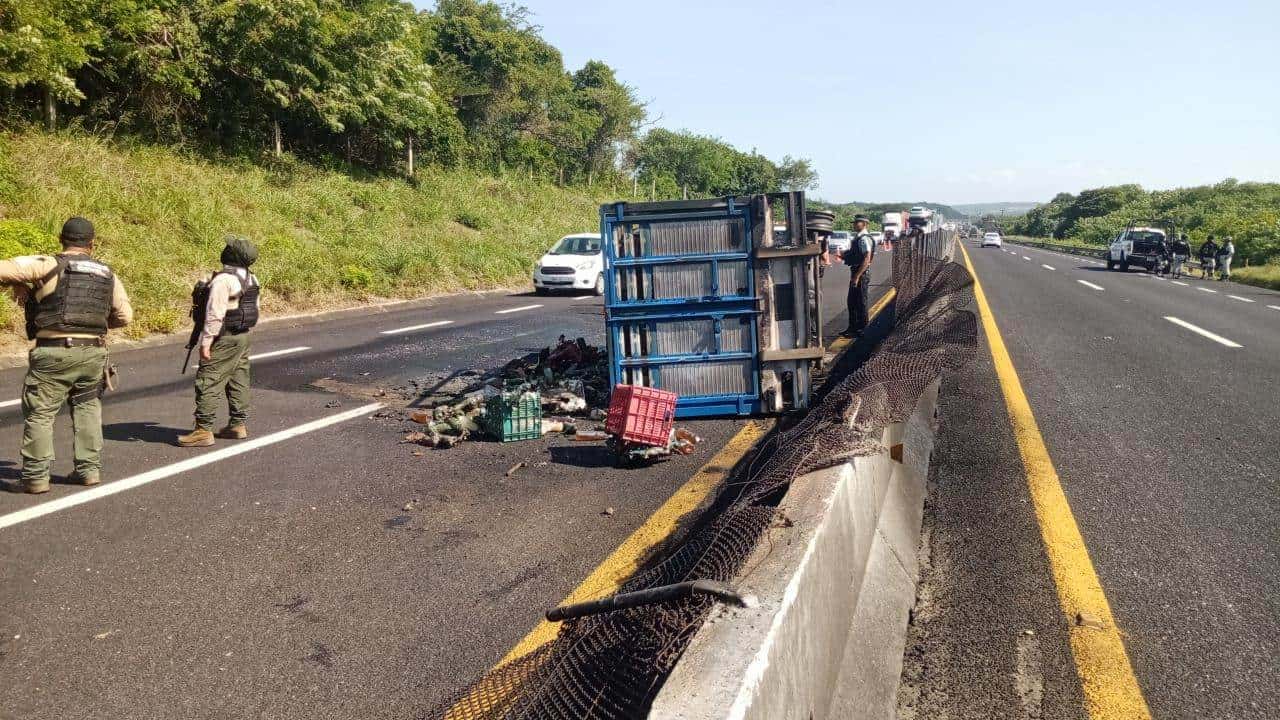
1139,244
877,237
840,241
992,239
920,218
891,224
576,262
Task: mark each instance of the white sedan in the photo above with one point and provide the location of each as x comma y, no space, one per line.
991,239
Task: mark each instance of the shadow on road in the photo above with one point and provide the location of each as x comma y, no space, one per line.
143,432
584,456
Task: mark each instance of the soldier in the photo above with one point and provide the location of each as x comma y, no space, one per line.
858,258
229,313
70,299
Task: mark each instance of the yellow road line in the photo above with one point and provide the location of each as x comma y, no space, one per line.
841,343
1111,690
624,561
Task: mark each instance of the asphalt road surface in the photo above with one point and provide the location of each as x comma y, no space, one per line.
1157,401
320,569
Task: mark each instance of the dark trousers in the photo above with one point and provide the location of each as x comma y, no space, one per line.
857,302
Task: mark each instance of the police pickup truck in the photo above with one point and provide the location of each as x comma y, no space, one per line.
1142,243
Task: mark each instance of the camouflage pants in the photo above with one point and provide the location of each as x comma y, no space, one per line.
225,373
54,376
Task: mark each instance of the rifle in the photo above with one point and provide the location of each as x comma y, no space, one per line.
199,301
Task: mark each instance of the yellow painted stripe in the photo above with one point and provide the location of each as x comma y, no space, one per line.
1111,690
841,343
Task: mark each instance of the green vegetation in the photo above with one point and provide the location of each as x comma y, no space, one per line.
327,238
670,164
1249,212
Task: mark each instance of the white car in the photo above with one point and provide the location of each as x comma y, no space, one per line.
991,239
877,237
840,241
576,262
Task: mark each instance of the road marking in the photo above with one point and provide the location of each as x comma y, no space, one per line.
1110,688
522,308
1201,331
627,558
1024,257
1241,299
1047,267
1206,290
411,328
207,458
277,353
9,403
1086,283
841,343
1179,282
1274,307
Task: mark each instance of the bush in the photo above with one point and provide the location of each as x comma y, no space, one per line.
475,221
354,277
18,237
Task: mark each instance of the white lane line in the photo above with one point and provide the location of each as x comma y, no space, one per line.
111,488
277,353
1201,331
522,308
1047,267
1241,299
1086,283
10,403
411,328
1024,257
1179,282
1206,290
1274,307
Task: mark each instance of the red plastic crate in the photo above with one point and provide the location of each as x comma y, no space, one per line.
641,414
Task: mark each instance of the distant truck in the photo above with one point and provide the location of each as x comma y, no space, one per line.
920,218
891,225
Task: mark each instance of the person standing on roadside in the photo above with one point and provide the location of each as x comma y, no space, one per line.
1181,251
858,258
1162,256
1208,258
1225,255
229,314
71,299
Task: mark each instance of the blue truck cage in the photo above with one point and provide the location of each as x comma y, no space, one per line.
690,301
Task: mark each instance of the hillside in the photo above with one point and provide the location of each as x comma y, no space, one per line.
328,238
995,208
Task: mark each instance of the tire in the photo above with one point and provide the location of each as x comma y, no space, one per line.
598,290
1111,264
1124,266
541,291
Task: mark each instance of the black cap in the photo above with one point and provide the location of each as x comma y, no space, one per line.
240,251
861,218
76,231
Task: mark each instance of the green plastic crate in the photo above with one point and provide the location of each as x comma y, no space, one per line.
514,416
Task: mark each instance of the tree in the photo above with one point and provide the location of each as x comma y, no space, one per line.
797,174
43,43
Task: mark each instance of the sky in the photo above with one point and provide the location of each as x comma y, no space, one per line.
954,102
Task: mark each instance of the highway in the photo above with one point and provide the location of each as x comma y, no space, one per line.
1156,401
320,569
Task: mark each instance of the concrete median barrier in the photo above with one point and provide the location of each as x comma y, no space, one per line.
836,579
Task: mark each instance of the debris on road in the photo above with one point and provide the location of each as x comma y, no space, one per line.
607,511
512,470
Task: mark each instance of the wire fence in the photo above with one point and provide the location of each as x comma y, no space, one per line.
612,665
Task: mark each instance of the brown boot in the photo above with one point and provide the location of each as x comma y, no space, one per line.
90,477
233,432
196,438
35,487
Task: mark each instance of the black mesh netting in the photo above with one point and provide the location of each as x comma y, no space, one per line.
612,665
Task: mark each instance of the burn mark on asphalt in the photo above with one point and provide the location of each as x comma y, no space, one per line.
321,655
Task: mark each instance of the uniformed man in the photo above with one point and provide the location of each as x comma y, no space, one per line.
858,258
229,315
71,299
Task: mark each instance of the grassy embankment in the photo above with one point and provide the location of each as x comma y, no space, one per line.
1263,276
327,239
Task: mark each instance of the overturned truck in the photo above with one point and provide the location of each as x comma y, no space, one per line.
715,300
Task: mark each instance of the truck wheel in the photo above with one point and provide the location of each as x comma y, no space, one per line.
1111,264
1124,266
541,291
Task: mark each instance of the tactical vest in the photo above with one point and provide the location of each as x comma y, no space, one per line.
854,256
80,303
241,319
